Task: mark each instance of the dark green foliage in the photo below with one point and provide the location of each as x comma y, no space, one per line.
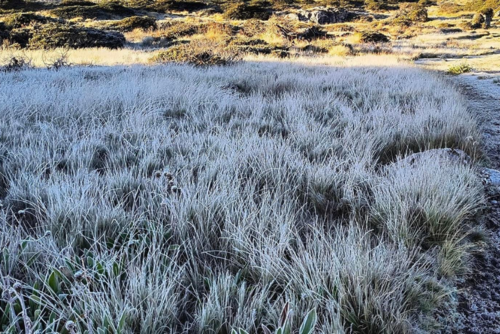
4,33
376,5
244,11
10,4
20,37
172,5
52,35
482,19
14,65
77,3
477,21
411,13
253,46
450,7
372,37
186,54
20,20
178,29
135,22
486,11
478,5
253,27
104,11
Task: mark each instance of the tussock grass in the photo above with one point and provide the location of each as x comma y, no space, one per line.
198,200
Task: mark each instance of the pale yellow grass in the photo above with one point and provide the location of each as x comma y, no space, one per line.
90,56
488,63
107,57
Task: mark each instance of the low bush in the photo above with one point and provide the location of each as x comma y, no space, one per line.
244,11
371,37
134,22
52,35
20,37
253,27
77,3
478,5
11,4
104,11
450,7
176,29
376,5
198,53
20,20
482,19
180,6
217,31
408,14
459,69
15,64
4,32
341,50
183,54
252,46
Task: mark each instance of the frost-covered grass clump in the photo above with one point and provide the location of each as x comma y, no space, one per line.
175,199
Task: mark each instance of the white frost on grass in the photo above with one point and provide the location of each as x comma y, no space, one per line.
201,199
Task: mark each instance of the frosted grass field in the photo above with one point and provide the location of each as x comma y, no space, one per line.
174,199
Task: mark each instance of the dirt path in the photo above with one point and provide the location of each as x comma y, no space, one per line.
479,297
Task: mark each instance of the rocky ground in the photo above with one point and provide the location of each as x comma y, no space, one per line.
479,296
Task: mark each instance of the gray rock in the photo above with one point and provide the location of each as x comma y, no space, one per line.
324,15
492,176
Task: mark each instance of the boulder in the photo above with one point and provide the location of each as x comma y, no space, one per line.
491,176
324,15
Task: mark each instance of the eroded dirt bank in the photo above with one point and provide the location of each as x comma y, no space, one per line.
479,296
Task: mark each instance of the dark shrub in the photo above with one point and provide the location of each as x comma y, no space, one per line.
450,7
12,4
372,37
20,20
218,28
51,36
243,11
77,3
181,6
135,22
253,46
20,37
198,55
14,65
410,13
176,29
105,11
477,21
253,27
482,19
478,5
4,33
376,5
